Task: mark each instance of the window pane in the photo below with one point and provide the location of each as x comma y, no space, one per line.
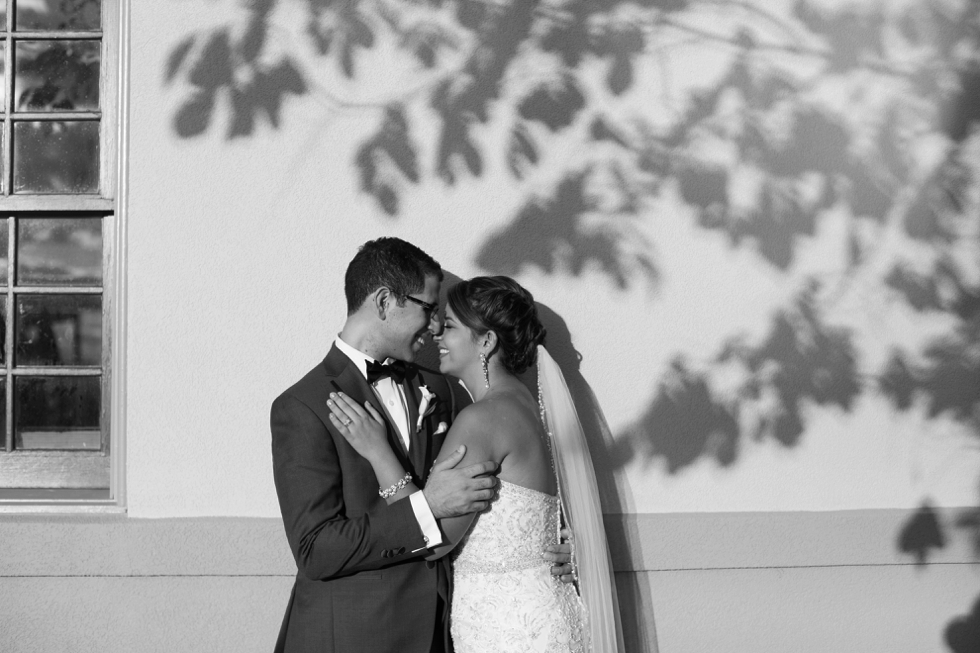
56,157
58,330
59,251
57,75
4,251
55,412
58,14
3,73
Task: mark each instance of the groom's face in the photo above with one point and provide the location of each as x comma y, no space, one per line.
409,325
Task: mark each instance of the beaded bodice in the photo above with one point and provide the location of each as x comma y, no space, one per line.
511,534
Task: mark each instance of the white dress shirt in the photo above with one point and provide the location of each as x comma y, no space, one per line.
392,398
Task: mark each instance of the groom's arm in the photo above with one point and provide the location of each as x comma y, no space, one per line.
325,542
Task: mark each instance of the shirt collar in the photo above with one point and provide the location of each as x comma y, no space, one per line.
358,357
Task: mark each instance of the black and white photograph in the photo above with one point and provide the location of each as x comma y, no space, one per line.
490,326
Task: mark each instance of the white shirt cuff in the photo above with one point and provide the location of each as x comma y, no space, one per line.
423,514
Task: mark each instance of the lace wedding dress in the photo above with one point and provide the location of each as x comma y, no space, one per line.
504,596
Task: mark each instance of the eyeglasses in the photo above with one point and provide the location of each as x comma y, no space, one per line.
430,309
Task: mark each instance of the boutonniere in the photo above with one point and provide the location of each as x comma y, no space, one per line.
428,405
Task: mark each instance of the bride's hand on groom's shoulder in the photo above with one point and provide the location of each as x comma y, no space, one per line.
452,491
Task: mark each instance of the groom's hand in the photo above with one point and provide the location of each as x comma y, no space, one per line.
452,492
560,555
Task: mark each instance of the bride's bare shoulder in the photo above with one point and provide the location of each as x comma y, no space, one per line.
473,412
508,414
475,419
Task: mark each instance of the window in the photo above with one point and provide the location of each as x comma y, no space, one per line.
57,238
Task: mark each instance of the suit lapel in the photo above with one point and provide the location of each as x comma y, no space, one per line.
412,400
418,437
354,385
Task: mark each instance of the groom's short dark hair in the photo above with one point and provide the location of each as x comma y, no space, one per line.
393,263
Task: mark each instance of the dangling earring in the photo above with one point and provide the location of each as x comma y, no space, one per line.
486,371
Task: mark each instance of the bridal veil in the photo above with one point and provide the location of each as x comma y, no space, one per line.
580,503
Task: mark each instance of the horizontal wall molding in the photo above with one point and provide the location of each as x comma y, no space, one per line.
114,545
679,541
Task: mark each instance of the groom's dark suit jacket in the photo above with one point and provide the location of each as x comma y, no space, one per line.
359,586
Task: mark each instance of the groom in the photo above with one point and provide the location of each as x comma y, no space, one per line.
362,581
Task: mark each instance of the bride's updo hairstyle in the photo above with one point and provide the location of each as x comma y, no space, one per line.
501,305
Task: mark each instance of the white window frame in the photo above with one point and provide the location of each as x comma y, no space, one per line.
112,202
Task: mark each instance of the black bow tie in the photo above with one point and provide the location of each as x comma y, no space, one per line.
397,370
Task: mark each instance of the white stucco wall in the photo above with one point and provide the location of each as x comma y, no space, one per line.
730,537
237,249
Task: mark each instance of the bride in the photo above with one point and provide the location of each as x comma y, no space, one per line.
504,597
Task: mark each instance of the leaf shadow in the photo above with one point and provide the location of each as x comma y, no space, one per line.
962,634
802,361
217,64
554,235
921,534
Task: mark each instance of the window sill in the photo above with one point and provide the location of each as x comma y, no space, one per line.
34,500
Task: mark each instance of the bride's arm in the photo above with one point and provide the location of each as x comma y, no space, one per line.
472,429
364,429
452,488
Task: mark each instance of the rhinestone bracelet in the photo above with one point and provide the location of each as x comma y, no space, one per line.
400,485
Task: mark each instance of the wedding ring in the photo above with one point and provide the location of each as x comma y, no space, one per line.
347,422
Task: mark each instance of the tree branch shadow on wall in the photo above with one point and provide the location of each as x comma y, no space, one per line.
562,243
945,376
218,64
801,362
806,159
239,62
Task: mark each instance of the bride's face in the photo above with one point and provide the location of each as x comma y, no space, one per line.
458,348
